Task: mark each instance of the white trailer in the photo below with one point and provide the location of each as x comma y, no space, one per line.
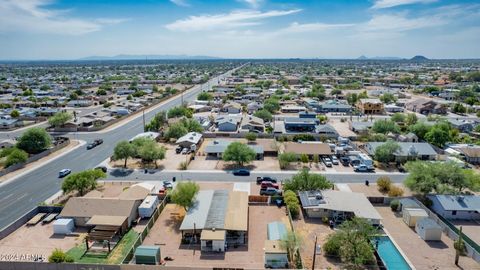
148,206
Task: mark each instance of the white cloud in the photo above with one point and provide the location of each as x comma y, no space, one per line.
399,23
393,3
253,3
34,16
225,21
182,3
296,27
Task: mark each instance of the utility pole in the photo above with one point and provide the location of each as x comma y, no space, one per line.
314,253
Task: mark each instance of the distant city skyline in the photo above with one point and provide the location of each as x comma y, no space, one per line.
68,30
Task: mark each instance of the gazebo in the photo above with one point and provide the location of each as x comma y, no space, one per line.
105,228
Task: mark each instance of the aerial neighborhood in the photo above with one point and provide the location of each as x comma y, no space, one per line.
236,164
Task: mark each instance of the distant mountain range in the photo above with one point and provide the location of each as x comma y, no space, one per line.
415,58
150,57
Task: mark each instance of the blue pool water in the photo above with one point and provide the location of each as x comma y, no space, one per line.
390,254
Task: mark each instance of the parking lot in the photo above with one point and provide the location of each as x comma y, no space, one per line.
166,233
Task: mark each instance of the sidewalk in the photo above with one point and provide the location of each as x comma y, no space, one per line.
74,144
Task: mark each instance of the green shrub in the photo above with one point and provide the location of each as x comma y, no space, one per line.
332,246
15,157
394,205
58,256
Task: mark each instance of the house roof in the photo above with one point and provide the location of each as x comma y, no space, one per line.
470,151
406,149
88,207
107,220
219,146
135,192
192,137
343,201
218,209
308,148
459,202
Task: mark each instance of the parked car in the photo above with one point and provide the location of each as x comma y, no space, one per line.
269,191
266,179
179,149
334,160
241,172
266,184
167,184
90,146
64,173
327,162
102,168
184,151
345,161
362,168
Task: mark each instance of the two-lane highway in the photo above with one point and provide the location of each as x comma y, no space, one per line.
21,195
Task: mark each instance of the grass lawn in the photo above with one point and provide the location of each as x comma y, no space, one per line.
115,257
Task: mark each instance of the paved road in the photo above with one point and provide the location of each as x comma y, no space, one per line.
225,176
21,195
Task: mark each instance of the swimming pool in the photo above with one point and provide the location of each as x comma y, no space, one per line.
390,254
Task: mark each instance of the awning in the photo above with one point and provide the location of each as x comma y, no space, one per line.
116,221
212,235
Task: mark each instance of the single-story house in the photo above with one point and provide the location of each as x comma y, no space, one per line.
466,207
360,127
232,107
219,218
10,123
292,109
408,151
254,106
253,124
189,139
462,125
216,148
338,205
391,108
82,209
334,106
471,153
228,123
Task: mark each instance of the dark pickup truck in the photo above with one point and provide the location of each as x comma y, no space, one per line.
94,144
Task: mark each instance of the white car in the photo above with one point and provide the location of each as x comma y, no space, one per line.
334,160
64,173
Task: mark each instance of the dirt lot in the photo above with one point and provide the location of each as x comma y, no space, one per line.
38,240
171,162
165,233
469,228
372,189
422,254
308,228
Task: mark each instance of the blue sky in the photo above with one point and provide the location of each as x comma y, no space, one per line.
61,29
